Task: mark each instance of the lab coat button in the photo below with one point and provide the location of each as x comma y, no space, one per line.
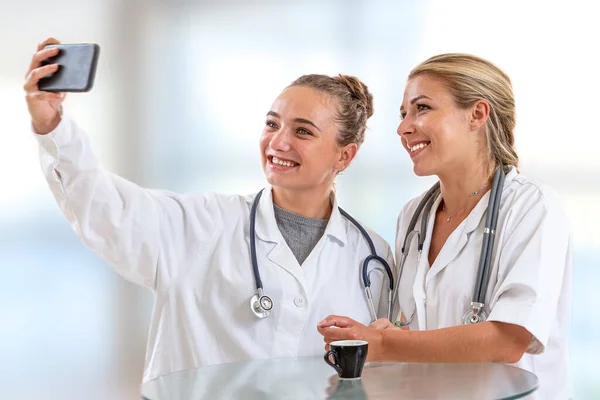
299,302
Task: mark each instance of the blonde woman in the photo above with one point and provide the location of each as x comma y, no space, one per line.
458,118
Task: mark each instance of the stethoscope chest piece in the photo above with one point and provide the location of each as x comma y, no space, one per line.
476,314
474,317
261,306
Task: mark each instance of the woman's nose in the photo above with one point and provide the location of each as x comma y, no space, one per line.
280,141
406,125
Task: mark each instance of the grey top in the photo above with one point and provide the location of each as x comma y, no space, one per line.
300,233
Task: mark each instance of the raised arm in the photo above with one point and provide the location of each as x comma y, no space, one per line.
142,233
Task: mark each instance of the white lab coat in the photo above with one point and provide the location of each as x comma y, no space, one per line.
530,283
193,252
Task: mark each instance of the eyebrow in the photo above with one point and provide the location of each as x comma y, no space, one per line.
299,120
415,99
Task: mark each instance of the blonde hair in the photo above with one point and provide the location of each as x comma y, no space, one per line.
469,79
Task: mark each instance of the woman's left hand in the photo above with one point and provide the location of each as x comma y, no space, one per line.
335,327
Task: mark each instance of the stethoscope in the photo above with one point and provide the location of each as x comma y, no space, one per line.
476,313
261,304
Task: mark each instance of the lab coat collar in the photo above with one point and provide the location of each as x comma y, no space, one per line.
266,225
458,239
267,230
336,227
474,218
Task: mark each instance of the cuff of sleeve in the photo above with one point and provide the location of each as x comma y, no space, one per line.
50,146
519,314
51,143
61,135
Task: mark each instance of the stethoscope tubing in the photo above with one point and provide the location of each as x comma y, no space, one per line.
365,266
487,247
257,280
373,256
483,273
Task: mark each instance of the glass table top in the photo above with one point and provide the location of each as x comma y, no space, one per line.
312,378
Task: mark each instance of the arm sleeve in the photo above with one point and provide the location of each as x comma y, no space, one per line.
143,233
532,265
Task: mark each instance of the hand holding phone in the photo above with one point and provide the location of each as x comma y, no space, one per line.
44,101
76,68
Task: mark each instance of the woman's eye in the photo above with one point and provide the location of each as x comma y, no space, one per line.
422,107
402,115
271,124
303,131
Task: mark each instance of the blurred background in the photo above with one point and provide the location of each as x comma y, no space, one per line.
181,92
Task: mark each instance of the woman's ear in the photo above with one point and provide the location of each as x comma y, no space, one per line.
347,154
480,112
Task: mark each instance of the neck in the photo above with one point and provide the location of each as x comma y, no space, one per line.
314,203
458,186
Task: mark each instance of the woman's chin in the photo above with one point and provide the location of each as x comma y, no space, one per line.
422,170
281,182
419,170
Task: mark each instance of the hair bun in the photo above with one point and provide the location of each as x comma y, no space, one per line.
359,90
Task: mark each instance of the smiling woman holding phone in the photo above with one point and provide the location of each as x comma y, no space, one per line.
235,277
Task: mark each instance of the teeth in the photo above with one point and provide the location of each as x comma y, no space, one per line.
277,161
418,146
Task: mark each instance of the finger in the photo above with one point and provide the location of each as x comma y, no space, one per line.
40,56
333,334
382,323
31,84
46,42
45,96
337,320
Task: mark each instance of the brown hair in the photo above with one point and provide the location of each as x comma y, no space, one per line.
354,99
469,79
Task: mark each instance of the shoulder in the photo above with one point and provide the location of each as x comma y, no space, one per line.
382,247
203,202
378,240
354,235
523,195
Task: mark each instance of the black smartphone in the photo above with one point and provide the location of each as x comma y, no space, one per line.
76,68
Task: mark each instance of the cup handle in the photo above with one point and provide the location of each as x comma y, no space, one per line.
334,363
